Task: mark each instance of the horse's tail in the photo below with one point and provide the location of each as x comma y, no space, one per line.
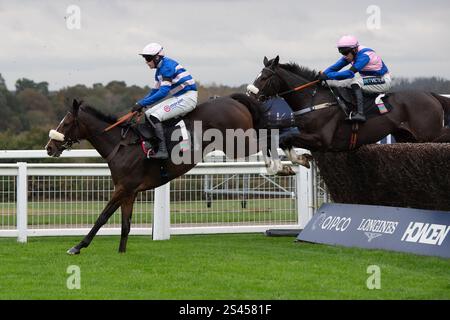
252,105
445,102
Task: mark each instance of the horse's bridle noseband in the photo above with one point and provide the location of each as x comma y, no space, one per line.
67,142
263,97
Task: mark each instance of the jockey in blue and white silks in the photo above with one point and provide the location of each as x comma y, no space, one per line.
367,72
173,80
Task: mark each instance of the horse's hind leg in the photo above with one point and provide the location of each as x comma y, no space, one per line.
404,135
127,211
444,136
107,212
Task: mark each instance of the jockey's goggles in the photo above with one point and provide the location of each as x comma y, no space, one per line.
345,50
149,58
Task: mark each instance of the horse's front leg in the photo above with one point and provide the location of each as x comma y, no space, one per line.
270,164
271,158
113,204
302,159
127,211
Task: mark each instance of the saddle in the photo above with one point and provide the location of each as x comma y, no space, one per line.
374,104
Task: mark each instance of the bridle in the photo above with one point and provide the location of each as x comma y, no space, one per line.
68,142
303,110
263,97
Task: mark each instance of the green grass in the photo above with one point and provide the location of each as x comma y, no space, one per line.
245,266
224,211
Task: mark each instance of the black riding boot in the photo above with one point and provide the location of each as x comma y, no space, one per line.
162,149
147,143
359,117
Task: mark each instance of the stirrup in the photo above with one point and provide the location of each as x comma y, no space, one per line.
146,145
357,117
349,117
158,155
161,154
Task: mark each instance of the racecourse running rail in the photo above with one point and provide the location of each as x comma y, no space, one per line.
51,199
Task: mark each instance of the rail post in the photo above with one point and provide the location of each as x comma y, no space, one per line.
22,202
303,178
161,213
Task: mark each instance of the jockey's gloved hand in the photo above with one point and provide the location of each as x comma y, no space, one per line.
322,77
137,108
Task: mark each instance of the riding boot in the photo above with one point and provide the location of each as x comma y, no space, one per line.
147,143
162,149
359,117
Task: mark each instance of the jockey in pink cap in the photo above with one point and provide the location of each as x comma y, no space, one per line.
368,72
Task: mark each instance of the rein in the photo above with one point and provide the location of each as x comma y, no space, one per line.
121,143
304,110
299,88
304,86
339,102
128,116
68,142
121,120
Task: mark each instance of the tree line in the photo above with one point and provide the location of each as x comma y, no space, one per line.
29,111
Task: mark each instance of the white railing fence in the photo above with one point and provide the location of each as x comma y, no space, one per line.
56,199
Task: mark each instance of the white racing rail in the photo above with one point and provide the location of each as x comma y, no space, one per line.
64,199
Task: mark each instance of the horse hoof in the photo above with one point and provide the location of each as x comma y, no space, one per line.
73,251
270,171
305,164
286,171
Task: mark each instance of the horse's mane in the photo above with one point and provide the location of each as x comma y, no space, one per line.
301,71
99,115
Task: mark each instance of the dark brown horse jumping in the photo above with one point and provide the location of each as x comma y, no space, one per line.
131,172
416,116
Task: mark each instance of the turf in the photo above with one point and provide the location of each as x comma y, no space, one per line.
236,266
221,211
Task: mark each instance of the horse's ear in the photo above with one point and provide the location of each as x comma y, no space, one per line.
76,106
266,61
275,61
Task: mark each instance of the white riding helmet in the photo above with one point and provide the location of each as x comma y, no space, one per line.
152,49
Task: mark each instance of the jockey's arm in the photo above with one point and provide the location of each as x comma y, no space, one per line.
154,96
361,61
342,62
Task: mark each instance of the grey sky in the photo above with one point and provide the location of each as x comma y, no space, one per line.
218,41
